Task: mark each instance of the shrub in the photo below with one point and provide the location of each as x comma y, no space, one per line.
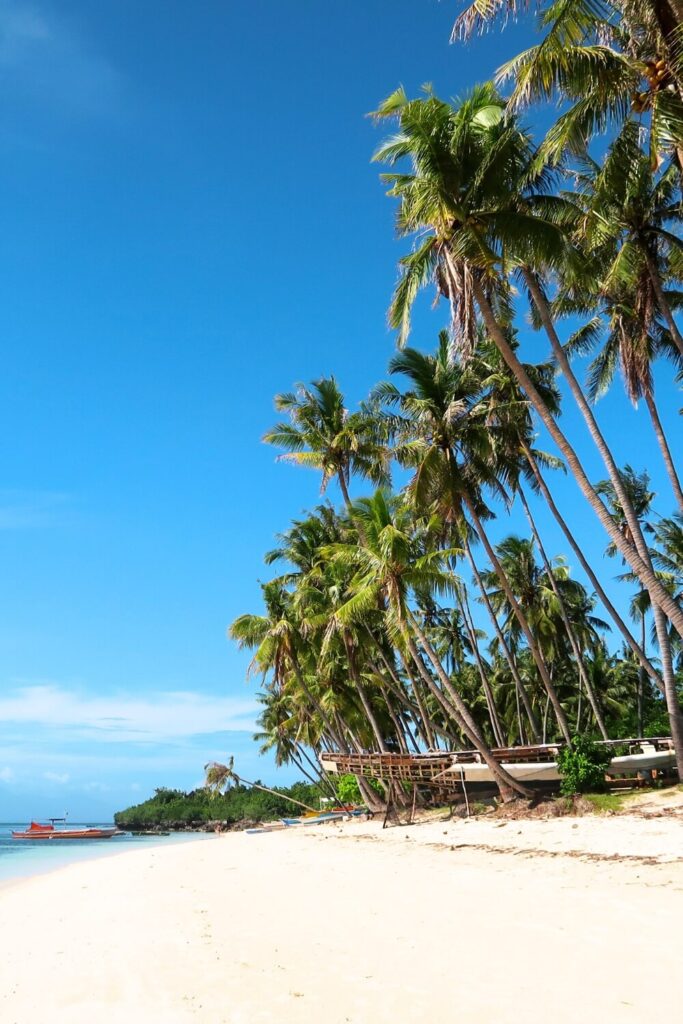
348,790
582,765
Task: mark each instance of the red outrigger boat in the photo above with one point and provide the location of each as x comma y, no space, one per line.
39,831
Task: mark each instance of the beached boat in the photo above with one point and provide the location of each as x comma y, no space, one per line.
317,820
278,826
37,830
535,765
643,760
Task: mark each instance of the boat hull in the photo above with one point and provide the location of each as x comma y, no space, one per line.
76,833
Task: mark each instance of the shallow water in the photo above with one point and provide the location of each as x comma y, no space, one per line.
21,858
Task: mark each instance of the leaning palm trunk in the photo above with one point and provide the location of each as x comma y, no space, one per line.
389,689
639,548
664,448
664,307
637,649
636,553
447,707
364,699
395,687
564,615
465,721
509,657
488,693
399,732
670,691
428,728
315,767
643,571
522,619
315,703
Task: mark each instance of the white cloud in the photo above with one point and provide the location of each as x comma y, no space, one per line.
6,775
123,717
60,777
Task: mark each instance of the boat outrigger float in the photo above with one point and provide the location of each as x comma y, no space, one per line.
36,830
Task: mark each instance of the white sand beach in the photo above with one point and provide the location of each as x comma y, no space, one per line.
565,919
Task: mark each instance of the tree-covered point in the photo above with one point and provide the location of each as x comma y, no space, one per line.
174,808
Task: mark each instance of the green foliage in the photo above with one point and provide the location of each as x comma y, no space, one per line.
349,792
582,765
172,807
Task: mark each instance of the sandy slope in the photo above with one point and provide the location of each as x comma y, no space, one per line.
333,925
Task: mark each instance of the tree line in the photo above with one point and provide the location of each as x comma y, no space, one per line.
369,637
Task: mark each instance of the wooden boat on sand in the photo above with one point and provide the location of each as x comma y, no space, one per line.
36,830
534,765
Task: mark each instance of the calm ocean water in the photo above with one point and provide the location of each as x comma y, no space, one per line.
21,858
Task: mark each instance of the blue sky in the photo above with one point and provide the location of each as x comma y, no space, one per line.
190,223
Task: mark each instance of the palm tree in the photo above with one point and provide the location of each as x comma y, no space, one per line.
553,604
605,60
276,639
219,777
466,200
628,227
389,563
641,499
321,434
444,435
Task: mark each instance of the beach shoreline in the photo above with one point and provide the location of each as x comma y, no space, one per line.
477,920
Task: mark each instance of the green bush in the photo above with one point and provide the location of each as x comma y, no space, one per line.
582,765
348,789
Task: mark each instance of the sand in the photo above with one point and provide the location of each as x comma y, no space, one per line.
481,921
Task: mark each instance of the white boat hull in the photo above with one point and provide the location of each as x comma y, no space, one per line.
628,766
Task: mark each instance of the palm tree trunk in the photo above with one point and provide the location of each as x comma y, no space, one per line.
446,707
509,657
365,701
488,693
641,680
585,565
522,619
389,689
273,792
315,703
638,553
324,780
638,541
643,571
670,691
504,780
564,615
304,771
664,448
663,604
395,686
426,726
662,302
398,729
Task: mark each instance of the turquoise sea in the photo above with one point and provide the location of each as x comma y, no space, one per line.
22,858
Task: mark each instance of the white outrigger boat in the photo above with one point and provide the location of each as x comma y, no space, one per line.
645,759
534,765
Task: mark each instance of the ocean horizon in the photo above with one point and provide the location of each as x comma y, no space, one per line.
25,858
